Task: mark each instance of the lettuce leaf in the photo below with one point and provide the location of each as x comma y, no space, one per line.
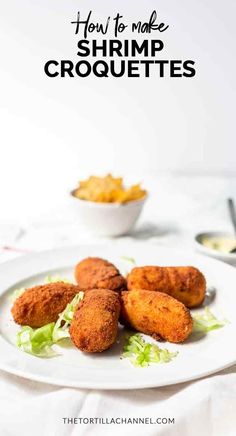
36,341
142,353
16,293
39,341
61,328
55,279
129,263
207,321
129,259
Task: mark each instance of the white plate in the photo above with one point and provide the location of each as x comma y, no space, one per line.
196,358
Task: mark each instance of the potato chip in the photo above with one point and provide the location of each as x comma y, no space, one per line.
108,189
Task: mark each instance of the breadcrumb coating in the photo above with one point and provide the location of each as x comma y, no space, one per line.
42,304
94,326
185,283
156,314
96,273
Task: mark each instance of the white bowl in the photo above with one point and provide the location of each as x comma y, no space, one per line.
225,257
107,219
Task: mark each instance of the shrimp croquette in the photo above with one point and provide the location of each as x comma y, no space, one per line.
96,273
95,323
185,283
42,304
156,314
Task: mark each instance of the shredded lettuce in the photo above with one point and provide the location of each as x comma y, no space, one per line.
142,353
61,328
36,341
39,341
16,293
55,279
129,259
130,263
207,321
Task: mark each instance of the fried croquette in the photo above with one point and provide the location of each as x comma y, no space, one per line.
156,314
185,283
96,273
95,323
42,304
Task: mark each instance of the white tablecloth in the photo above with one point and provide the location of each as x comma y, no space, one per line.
204,407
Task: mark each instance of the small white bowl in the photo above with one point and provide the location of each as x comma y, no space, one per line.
225,257
108,219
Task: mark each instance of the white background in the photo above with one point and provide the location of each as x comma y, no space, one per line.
53,130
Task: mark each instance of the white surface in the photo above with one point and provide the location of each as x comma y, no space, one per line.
51,130
198,356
